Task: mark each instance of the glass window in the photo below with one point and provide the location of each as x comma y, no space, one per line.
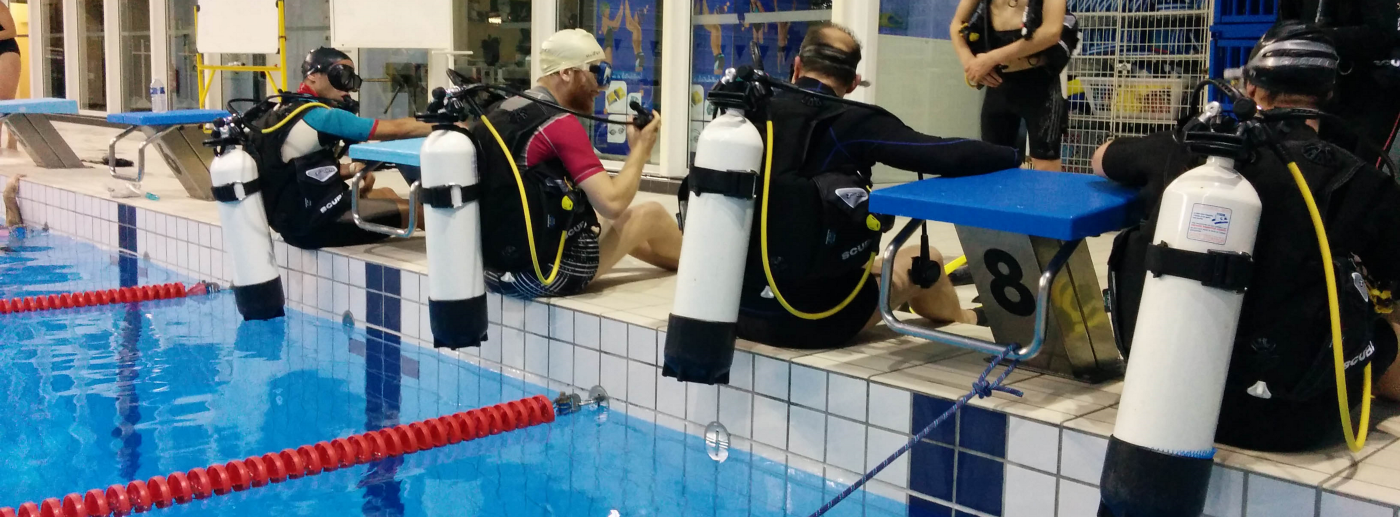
499,40
920,78
307,27
630,33
396,82
54,85
770,32
92,56
136,54
182,87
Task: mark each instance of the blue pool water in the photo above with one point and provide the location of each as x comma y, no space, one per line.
97,396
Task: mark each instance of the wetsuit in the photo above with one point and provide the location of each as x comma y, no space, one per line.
847,140
1031,95
1284,332
1365,32
8,45
308,203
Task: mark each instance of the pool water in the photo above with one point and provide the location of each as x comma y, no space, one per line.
97,396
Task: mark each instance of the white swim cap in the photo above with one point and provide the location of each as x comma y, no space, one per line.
569,48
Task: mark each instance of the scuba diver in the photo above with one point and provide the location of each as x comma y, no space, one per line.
298,150
540,232
822,241
1018,53
1367,36
1281,393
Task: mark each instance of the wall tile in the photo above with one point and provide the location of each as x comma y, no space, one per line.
770,418
512,312
740,372
1082,456
393,281
492,349
1333,504
614,375
983,431
358,302
736,411
980,483
614,337
357,270
325,264
536,354
409,323
586,367
770,377
931,470
1225,497
1033,444
845,443
1270,497
670,395
889,408
1033,493
807,433
641,344
561,324
279,250
537,318
846,396
701,403
513,348
392,312
493,307
926,409
925,508
561,362
409,288
325,295
809,387
641,384
1077,499
586,330
879,445
340,295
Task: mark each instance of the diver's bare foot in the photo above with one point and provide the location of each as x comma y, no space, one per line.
12,215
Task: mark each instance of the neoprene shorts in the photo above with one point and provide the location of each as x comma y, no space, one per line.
782,329
342,231
1033,96
577,268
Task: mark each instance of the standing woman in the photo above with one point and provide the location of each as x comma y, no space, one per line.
9,61
1021,68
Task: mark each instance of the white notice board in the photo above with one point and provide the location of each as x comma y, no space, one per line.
425,24
237,27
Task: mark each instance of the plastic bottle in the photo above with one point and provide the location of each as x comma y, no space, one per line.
159,104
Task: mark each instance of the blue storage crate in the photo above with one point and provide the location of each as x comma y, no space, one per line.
1246,11
1227,53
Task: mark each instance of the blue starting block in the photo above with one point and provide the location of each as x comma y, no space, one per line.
1019,230
402,154
180,140
29,120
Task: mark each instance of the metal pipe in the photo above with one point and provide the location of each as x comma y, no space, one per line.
141,154
112,153
414,192
1042,302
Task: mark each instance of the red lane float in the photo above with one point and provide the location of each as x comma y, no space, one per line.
105,297
258,471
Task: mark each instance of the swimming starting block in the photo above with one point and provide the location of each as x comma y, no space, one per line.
28,119
401,154
181,143
1020,229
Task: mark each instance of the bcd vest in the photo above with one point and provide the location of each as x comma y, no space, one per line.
303,191
556,206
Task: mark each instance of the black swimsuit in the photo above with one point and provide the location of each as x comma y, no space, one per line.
8,45
1031,95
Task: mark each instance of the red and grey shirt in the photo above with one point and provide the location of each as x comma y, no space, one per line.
562,137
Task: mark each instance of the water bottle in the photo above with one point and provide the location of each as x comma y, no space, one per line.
159,104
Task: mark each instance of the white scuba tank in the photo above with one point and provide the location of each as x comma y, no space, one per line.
700,339
257,288
452,220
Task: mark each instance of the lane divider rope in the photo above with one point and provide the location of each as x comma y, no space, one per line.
308,460
137,294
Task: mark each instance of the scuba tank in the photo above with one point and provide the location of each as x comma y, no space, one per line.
1159,458
257,287
719,216
452,220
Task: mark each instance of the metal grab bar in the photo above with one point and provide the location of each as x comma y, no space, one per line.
1042,302
414,192
140,153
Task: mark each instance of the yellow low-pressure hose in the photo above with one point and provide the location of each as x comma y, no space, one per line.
293,115
955,264
1356,439
763,245
525,204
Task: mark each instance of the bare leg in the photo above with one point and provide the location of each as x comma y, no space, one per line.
13,218
1046,165
384,193
938,303
1389,385
646,231
9,84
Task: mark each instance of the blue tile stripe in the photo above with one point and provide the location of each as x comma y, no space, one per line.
383,308
961,461
126,228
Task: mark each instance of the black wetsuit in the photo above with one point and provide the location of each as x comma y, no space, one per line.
1032,95
8,45
850,140
1364,31
1284,331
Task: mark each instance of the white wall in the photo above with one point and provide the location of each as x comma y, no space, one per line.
921,81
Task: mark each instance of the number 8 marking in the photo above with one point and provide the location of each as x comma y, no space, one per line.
1010,279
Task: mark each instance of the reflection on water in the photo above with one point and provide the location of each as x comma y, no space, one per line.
97,396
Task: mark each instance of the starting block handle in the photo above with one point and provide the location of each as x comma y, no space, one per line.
414,193
1042,302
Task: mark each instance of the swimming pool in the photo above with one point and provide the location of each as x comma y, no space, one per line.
97,396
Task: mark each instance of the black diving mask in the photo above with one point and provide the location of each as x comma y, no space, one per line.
343,77
602,72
